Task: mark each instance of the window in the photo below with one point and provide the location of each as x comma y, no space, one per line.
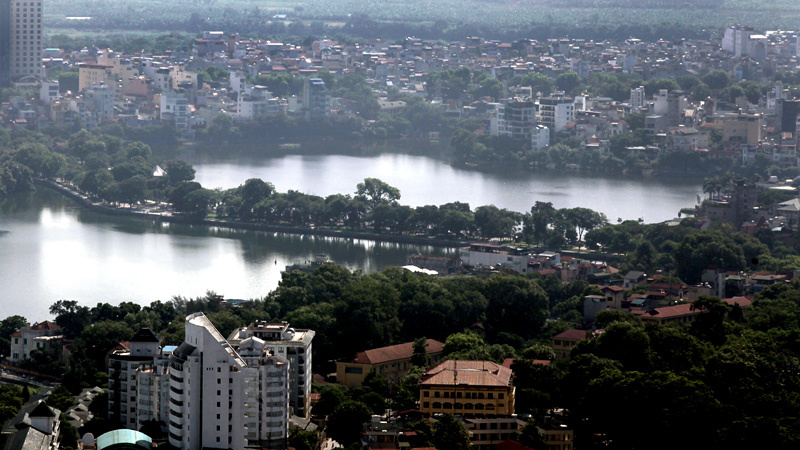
354,370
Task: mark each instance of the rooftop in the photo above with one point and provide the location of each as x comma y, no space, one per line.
394,352
467,373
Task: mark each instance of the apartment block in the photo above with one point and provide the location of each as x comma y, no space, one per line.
292,344
208,392
220,398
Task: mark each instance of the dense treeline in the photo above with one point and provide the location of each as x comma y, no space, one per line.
732,369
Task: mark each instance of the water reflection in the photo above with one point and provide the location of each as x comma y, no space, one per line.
56,251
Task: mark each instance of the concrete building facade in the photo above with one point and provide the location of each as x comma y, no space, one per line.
293,345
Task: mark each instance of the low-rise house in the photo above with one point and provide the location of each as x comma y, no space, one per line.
487,432
566,340
37,426
45,336
392,362
634,278
677,313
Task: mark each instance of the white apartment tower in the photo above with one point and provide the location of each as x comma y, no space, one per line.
637,99
208,393
556,111
123,391
220,398
292,344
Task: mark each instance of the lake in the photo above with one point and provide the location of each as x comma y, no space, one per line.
50,249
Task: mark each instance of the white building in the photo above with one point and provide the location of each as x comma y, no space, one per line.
48,92
45,336
237,79
220,398
556,111
99,103
175,109
211,394
637,99
487,255
540,137
123,390
256,101
292,344
736,40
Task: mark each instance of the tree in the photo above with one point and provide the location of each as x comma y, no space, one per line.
568,82
345,422
8,326
374,192
196,204
132,190
450,434
538,83
494,222
717,80
303,439
420,356
179,170
531,436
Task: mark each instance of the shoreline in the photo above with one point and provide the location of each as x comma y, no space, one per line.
347,234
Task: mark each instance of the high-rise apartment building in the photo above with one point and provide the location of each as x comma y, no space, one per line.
20,39
316,101
208,392
123,391
293,344
220,398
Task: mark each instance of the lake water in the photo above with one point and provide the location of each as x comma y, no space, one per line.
425,180
50,249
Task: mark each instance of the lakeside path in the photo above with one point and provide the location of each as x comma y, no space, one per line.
158,212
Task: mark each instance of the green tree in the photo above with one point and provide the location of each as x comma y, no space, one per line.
374,192
346,421
420,356
717,80
568,82
303,439
178,171
450,434
8,326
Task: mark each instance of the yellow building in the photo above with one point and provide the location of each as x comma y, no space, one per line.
467,388
91,74
391,362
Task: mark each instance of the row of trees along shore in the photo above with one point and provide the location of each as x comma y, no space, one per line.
108,169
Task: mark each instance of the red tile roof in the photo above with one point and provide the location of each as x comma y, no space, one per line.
539,362
394,352
46,325
511,445
741,301
471,373
571,335
668,312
